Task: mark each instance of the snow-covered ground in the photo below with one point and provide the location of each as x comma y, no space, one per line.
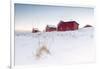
68,47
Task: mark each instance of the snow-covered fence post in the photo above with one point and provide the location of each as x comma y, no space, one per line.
39,42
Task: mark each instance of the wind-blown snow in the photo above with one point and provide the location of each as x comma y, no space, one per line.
65,47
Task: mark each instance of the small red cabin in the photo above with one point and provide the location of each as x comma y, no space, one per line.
50,28
66,26
34,30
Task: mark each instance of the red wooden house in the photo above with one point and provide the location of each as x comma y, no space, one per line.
34,30
66,26
50,28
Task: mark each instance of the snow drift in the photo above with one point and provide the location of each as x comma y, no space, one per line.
65,47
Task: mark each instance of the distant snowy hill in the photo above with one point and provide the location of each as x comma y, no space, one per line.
65,47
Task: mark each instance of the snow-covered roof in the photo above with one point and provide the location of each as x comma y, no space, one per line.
68,22
36,29
51,26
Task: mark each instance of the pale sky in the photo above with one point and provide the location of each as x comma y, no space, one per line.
28,16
